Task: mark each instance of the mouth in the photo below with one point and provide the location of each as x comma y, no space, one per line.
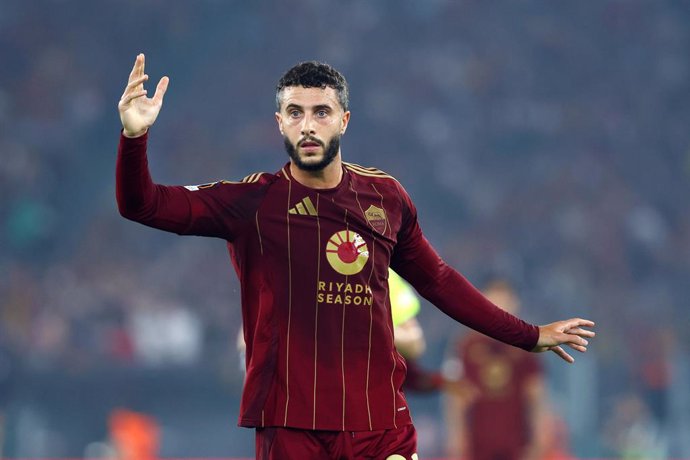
310,146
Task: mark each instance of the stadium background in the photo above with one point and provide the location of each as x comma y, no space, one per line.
544,140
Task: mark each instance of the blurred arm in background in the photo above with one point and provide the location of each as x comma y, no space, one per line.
409,335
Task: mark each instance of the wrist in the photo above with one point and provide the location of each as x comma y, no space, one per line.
134,134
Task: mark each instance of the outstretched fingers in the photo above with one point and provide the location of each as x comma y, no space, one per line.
137,81
135,85
574,337
581,332
562,353
571,333
137,111
133,73
574,323
577,347
126,99
137,69
141,61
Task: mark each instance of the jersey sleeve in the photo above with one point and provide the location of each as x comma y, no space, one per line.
219,209
416,261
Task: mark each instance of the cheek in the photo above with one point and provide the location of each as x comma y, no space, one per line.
287,127
332,126
291,134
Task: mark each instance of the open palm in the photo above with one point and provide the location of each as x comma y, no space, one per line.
138,112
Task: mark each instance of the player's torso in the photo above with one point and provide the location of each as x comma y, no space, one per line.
324,256
328,247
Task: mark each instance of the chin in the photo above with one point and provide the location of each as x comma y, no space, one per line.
312,160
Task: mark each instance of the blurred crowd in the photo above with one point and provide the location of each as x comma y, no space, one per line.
545,141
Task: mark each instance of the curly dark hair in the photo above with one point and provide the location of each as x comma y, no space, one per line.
314,74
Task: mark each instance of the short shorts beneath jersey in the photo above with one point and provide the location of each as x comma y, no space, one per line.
275,443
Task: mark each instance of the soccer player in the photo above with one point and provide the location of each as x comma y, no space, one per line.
311,245
500,410
405,305
409,336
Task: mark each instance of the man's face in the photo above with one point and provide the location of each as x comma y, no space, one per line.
311,121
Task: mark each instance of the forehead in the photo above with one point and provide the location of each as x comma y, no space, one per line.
309,97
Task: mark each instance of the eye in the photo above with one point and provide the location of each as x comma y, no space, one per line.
294,113
321,113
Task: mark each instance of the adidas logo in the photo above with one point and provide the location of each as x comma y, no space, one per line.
304,208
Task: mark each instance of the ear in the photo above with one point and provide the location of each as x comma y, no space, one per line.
279,120
344,122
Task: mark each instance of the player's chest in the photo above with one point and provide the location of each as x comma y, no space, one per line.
348,221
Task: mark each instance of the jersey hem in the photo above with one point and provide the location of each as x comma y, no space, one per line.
251,423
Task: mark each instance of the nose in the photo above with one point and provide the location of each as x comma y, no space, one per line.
307,126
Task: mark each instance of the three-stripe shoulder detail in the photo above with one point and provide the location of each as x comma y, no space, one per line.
369,172
250,179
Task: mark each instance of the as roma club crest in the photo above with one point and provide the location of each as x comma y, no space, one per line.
376,218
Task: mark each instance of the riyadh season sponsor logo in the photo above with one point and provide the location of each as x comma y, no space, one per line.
347,252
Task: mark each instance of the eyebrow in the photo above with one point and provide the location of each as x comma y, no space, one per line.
316,107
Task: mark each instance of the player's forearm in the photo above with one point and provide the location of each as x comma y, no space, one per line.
134,188
455,296
139,199
421,380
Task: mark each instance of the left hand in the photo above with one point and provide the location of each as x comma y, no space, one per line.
568,332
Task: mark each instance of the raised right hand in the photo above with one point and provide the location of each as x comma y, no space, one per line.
138,112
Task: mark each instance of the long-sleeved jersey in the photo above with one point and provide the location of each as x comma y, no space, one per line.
313,268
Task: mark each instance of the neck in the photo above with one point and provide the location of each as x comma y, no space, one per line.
328,177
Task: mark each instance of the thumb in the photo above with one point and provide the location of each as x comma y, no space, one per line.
161,88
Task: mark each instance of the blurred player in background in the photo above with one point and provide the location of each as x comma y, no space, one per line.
499,410
409,336
311,245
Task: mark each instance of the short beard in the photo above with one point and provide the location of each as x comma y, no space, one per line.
330,152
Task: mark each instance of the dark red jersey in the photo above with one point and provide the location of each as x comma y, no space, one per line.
313,267
499,418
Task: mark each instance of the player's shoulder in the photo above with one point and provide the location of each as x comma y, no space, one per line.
257,178
370,174
384,182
